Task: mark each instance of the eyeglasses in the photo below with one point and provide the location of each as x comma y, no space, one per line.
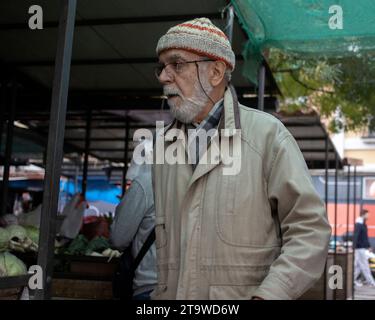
173,68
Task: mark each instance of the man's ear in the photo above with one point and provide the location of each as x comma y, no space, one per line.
217,72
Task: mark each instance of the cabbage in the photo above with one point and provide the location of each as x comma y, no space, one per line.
11,266
32,232
16,231
4,239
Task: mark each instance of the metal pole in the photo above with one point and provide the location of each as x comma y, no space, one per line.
354,218
361,199
229,23
326,173
127,129
8,149
326,201
347,233
2,121
2,109
335,220
87,148
76,178
55,145
261,86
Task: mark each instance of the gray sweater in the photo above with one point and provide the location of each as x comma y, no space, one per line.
134,219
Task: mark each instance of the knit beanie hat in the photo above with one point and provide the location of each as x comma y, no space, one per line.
199,36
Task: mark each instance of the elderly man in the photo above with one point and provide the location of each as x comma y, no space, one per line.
259,233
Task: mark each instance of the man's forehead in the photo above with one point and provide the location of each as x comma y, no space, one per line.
176,54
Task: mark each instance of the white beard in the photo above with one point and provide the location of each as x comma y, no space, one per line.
190,108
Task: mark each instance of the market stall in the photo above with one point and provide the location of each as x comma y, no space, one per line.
88,48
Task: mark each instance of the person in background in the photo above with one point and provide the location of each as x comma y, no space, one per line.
133,222
362,246
32,216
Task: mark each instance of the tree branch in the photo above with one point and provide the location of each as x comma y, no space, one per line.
307,86
286,70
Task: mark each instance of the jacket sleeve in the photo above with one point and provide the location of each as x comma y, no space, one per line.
128,216
305,231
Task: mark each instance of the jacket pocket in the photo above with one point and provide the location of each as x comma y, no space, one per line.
243,214
231,292
232,226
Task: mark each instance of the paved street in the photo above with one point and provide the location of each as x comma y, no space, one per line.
364,293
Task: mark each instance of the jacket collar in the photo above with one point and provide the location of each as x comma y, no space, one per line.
231,112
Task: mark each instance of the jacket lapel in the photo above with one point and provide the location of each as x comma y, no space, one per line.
230,121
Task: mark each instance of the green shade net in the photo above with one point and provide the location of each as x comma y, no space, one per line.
306,28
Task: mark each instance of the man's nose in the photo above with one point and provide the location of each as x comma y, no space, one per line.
165,77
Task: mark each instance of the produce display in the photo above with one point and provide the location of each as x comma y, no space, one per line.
32,233
11,266
92,239
20,239
17,238
4,239
98,247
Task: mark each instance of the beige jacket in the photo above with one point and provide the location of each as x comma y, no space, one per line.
262,232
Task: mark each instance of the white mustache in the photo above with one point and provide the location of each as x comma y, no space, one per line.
168,91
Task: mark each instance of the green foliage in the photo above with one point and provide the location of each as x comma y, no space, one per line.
77,246
98,244
81,246
330,85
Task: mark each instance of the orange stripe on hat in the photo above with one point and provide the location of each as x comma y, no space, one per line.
193,26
